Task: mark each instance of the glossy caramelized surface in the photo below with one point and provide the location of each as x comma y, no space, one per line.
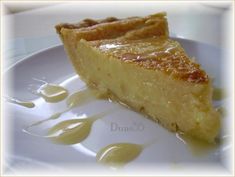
157,53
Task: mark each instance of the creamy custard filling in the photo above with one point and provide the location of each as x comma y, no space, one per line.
179,106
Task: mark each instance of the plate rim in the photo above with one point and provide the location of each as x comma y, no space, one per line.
38,52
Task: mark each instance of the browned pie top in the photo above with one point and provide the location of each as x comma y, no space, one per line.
159,53
141,41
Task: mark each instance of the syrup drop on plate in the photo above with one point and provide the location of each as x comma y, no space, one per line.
26,104
119,154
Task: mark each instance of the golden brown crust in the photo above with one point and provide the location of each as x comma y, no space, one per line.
85,23
111,27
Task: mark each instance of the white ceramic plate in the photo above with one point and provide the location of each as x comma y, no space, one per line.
25,153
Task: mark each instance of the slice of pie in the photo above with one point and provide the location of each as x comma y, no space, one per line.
135,61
